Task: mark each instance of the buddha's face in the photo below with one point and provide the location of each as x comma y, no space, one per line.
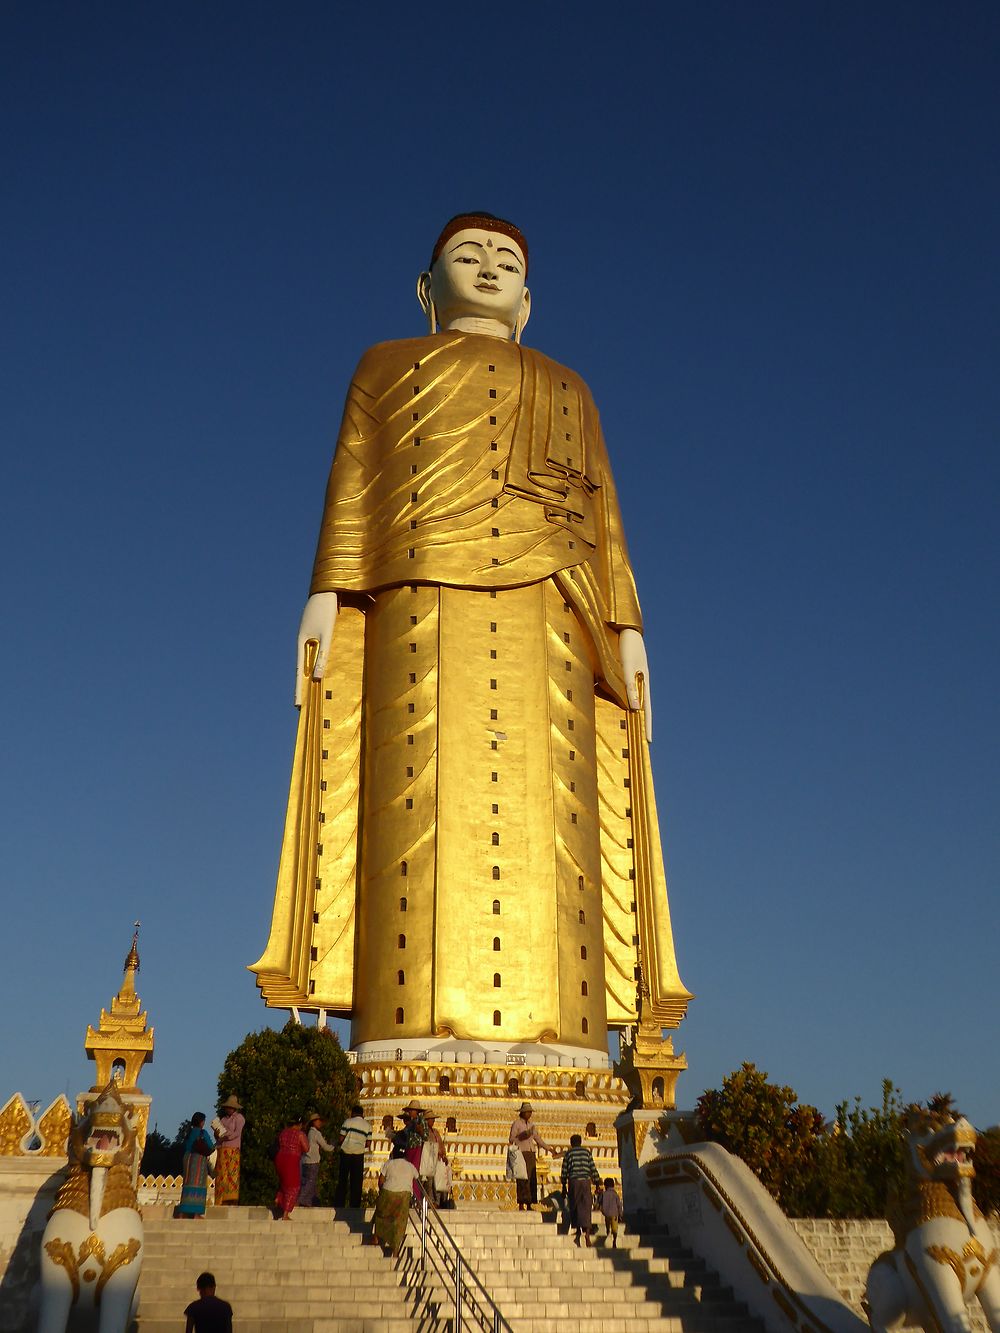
480,274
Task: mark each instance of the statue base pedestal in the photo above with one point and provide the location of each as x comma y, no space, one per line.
475,1105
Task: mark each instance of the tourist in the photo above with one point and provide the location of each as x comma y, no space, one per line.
412,1137
355,1140
579,1174
392,1208
432,1155
198,1146
229,1135
208,1314
524,1135
611,1211
292,1147
313,1124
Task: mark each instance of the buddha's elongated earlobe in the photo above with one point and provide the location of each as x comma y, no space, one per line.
426,301
523,315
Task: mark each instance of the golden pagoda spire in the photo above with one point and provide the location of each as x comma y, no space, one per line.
122,1043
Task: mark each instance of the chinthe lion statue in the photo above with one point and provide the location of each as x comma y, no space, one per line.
92,1246
945,1253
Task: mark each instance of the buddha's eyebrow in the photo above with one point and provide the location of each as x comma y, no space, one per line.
505,250
478,244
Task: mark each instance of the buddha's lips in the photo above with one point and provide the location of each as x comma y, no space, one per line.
486,287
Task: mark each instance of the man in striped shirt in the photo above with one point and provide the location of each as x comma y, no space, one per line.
579,1175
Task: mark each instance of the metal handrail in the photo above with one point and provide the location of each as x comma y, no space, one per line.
439,1246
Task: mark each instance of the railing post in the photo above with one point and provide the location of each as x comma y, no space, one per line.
458,1291
423,1231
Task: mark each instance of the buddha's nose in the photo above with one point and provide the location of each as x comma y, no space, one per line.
488,271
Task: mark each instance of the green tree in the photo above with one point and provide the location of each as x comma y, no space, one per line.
161,1157
278,1076
763,1124
986,1186
861,1164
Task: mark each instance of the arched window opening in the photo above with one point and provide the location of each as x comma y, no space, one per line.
402,941
585,1027
496,906
496,839
579,882
583,952
403,868
402,904
496,979
444,1083
496,1018
496,872
399,1015
583,917
581,1088
513,1087
400,978
583,988
496,943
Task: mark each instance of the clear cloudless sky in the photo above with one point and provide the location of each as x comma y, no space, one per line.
765,234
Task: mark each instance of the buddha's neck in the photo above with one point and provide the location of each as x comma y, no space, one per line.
493,328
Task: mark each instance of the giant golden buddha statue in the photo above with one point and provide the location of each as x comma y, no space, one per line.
471,855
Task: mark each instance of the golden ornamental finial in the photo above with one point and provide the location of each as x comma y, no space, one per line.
132,961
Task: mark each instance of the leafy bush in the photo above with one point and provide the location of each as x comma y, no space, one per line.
763,1124
282,1075
986,1186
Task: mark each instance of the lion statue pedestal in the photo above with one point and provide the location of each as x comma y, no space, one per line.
945,1254
92,1246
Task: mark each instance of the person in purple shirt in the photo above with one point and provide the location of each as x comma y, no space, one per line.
229,1136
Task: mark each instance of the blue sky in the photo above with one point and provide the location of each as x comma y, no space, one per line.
766,236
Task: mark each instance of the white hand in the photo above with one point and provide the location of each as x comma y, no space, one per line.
632,651
318,619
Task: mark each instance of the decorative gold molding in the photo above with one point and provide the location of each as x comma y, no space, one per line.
15,1125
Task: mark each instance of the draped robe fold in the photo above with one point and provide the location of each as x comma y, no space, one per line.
460,854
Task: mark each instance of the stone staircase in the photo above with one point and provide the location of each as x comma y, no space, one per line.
313,1275
543,1283
309,1275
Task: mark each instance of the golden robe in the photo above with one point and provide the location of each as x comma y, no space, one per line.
464,853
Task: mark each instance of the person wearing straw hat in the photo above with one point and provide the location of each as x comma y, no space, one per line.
414,1134
312,1123
229,1136
524,1135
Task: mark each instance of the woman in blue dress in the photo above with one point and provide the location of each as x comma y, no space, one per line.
194,1190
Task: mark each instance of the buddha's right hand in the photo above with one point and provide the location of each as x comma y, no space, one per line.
318,619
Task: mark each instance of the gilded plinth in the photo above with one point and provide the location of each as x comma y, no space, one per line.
475,1105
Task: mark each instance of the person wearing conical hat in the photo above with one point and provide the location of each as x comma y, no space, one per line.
524,1135
412,1137
229,1136
312,1124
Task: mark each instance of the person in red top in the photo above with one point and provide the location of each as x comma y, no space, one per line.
208,1314
292,1147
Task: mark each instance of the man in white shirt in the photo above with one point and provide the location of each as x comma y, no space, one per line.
355,1140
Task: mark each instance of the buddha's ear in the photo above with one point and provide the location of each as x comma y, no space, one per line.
426,301
524,315
424,292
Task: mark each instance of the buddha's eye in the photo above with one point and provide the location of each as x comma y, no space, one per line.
466,259
511,268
